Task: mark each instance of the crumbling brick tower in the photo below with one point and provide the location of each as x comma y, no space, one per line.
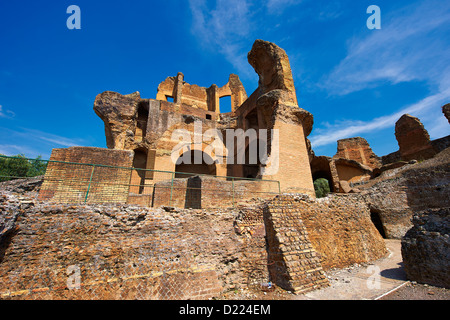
273,105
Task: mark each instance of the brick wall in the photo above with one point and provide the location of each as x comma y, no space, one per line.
75,183
131,252
294,263
357,149
209,192
294,172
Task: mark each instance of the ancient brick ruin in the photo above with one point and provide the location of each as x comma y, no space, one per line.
146,126
148,227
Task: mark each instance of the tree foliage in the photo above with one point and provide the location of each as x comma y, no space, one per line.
21,167
321,187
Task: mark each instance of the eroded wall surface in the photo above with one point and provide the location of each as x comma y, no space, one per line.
132,252
74,178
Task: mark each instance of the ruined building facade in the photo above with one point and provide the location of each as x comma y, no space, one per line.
146,126
144,134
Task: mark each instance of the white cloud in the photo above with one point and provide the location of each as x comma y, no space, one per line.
411,45
33,142
225,28
6,113
52,138
428,110
12,150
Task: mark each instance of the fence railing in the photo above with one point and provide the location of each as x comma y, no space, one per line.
71,182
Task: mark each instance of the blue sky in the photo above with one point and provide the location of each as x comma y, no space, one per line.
355,81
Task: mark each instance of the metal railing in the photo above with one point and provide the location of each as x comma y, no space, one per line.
72,182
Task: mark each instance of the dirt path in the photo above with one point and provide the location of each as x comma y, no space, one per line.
385,279
372,281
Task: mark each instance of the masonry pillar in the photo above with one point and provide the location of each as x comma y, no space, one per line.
178,90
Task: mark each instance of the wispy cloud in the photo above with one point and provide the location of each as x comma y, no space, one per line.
32,142
6,113
12,149
330,133
225,27
278,6
330,11
412,45
56,140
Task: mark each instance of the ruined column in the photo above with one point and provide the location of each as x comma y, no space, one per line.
178,90
213,99
276,103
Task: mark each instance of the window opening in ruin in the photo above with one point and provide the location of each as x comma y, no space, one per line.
225,104
185,170
250,168
138,176
170,99
141,123
251,120
208,117
376,220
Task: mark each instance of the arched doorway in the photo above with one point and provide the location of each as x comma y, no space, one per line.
377,221
194,162
324,175
320,168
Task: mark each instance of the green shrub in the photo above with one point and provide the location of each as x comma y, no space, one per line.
21,167
321,187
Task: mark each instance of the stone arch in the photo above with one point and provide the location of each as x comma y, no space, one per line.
198,162
375,217
320,168
170,149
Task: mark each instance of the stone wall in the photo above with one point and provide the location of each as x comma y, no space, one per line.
446,111
208,192
201,97
413,139
76,182
293,262
426,248
357,149
122,252
339,229
132,252
397,194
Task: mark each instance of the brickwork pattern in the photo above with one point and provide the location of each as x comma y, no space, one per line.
75,183
341,230
97,180
297,265
123,251
357,149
